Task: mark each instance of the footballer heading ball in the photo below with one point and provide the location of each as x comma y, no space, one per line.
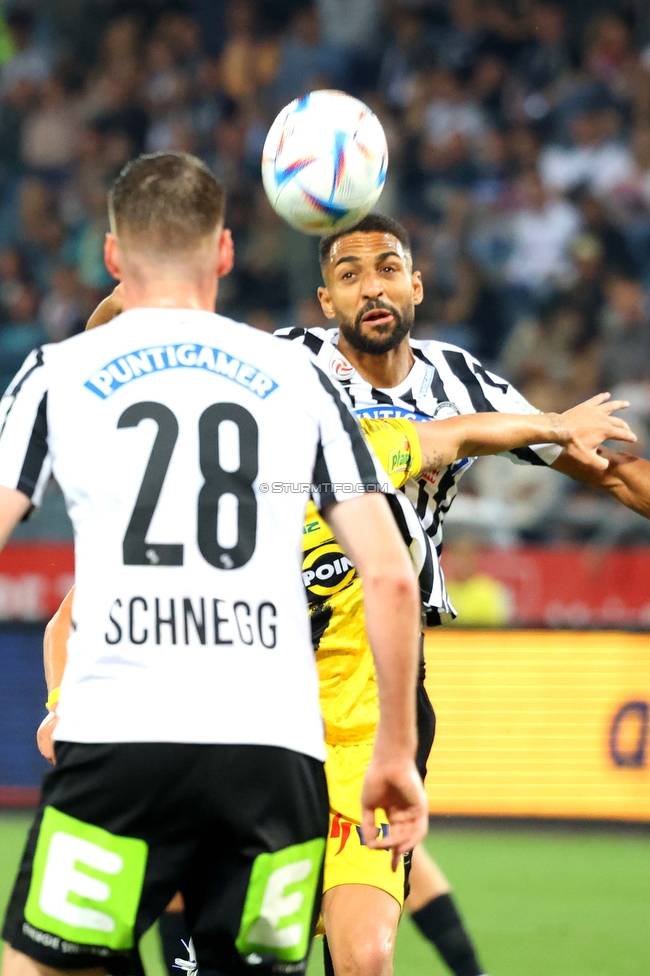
324,162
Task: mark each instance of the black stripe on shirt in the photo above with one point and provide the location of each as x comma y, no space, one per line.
313,343
432,617
322,477
400,518
380,397
36,452
410,399
425,576
483,373
528,455
16,390
463,371
367,472
461,368
294,333
447,482
423,499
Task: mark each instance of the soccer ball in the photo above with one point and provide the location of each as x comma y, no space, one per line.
324,162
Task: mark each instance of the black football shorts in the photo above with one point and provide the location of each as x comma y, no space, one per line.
240,830
425,717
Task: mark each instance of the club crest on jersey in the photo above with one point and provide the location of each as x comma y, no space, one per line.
445,409
183,355
339,367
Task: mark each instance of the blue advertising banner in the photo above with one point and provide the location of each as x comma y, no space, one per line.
23,697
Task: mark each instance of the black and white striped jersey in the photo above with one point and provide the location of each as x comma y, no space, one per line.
444,381
168,432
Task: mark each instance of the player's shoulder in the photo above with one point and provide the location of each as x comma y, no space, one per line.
433,350
313,339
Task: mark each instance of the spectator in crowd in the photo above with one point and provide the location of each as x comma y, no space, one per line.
308,61
30,65
543,227
625,350
546,56
616,255
63,311
595,157
480,599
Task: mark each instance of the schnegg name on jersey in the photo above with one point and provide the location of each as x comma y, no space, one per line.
191,621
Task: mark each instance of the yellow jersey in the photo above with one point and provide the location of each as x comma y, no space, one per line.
348,685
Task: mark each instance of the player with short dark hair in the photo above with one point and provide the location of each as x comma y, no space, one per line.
371,290
348,688
189,745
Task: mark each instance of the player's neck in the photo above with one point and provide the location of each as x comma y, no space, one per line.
383,372
201,296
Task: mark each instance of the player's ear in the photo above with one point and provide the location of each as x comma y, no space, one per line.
418,290
326,303
112,257
226,257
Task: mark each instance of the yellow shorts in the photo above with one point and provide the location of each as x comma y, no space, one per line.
347,859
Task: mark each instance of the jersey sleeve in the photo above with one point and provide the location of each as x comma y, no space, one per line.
488,392
397,446
345,465
24,452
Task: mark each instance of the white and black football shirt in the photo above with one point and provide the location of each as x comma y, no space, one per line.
165,430
444,381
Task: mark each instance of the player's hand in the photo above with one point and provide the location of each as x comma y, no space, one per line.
44,737
107,310
397,789
591,423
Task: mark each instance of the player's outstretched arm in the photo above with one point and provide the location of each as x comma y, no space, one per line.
366,530
55,652
579,430
626,477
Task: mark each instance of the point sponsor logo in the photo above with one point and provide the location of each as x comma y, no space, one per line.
326,570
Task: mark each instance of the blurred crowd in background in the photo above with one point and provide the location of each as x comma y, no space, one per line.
519,140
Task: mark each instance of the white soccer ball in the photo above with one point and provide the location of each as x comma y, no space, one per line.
324,162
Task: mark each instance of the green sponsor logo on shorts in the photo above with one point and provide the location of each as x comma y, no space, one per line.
280,902
86,882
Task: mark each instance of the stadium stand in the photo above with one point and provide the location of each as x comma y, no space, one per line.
519,141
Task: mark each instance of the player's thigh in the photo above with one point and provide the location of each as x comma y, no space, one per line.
252,894
107,850
363,896
361,925
18,964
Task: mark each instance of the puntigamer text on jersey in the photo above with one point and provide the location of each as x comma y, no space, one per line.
186,355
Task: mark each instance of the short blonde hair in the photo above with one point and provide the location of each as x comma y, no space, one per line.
169,201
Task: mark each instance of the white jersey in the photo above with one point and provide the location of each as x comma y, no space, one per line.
165,430
444,381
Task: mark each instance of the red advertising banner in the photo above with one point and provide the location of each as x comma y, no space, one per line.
34,578
567,586
572,586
